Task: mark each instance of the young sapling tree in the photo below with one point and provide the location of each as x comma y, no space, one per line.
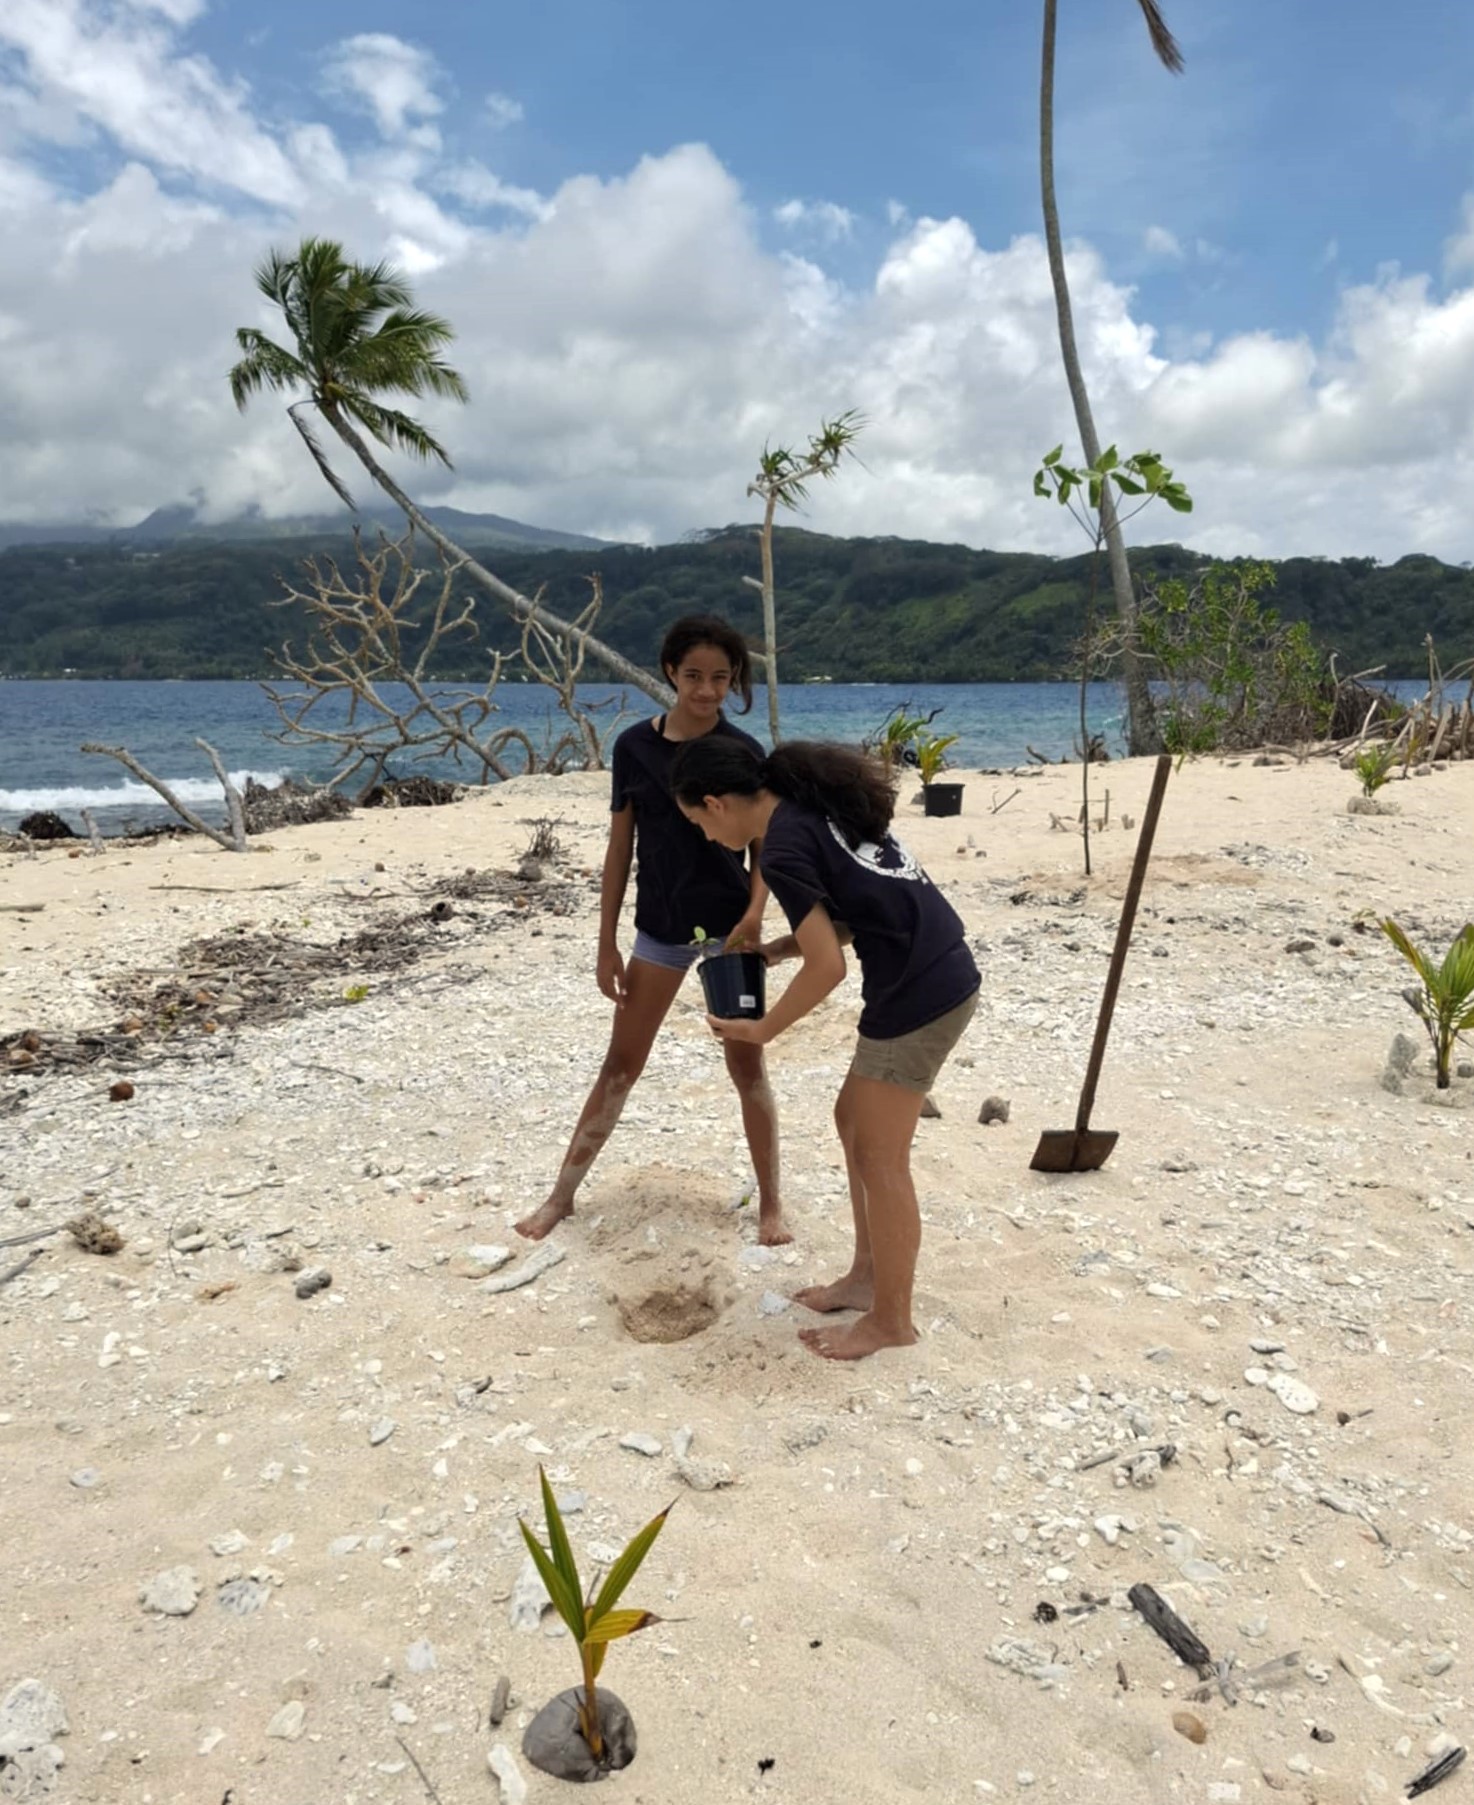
783,480
592,1620
1091,493
1446,1007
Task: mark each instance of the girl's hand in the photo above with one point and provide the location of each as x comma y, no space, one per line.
610,972
741,1029
777,950
747,935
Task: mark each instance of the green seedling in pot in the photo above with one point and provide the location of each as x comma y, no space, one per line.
931,754
592,1620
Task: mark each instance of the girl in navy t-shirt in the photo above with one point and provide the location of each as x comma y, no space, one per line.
683,882
823,816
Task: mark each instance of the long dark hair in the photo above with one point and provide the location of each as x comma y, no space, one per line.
854,791
693,630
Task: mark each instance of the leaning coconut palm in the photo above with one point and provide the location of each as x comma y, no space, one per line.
1142,733
358,338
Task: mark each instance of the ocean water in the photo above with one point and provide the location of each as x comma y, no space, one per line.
43,726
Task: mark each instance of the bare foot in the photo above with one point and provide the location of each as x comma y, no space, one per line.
855,1340
772,1230
849,1293
542,1222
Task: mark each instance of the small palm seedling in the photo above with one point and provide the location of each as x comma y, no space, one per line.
1446,1007
896,735
1373,766
592,1620
931,754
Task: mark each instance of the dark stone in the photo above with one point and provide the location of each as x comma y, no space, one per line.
554,1742
995,1109
45,825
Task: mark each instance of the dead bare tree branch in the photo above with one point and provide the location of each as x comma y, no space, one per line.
233,841
558,660
366,637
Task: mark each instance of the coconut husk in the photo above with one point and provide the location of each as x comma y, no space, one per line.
554,1742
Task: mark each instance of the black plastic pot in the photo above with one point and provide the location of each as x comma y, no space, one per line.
735,985
943,799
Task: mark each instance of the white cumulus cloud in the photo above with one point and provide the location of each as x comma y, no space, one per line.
394,80
1160,242
503,111
824,219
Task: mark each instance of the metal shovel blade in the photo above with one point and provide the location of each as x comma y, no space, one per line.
1073,1149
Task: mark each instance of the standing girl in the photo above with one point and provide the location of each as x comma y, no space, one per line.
684,881
822,814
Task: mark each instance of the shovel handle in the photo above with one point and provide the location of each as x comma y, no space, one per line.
1123,939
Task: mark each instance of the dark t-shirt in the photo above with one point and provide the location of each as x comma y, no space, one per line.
683,881
908,938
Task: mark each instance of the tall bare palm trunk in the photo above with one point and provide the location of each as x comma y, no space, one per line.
521,605
1142,735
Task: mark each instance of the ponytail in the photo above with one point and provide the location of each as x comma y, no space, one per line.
853,790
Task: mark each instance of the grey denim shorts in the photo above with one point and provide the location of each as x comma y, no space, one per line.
913,1060
671,958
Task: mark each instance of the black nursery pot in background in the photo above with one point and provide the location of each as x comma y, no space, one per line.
943,799
735,985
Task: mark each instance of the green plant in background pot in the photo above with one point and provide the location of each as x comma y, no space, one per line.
584,1734
894,741
931,761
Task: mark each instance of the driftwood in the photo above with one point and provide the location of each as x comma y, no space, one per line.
234,841
21,908
1174,1632
34,1234
1436,1773
14,1272
92,830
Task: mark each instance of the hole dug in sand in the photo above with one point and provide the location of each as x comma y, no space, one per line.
672,1312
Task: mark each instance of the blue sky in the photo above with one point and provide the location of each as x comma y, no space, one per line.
699,230
1307,143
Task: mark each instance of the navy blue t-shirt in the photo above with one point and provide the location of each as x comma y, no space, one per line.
910,941
683,881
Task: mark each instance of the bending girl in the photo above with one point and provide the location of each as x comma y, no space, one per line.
822,814
683,882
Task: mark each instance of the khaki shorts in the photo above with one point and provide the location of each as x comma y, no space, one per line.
913,1060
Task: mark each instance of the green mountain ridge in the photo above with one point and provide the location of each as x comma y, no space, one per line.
857,610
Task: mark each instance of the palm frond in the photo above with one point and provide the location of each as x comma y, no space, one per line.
320,458
394,429
265,365
1162,39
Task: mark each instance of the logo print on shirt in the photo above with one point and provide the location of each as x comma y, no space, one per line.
872,854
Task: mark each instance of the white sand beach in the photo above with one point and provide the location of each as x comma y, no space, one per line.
1273,1276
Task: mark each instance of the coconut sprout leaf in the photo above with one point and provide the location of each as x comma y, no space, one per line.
1409,952
569,1608
628,1565
614,1625
558,1544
